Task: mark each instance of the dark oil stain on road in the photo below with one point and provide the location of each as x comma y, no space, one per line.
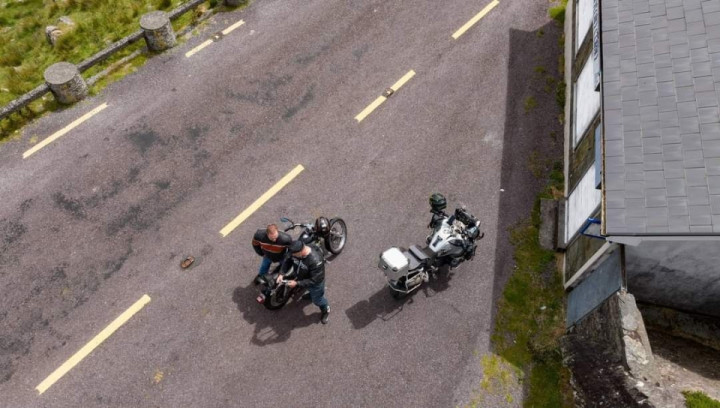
72,206
113,266
162,185
359,52
133,218
306,99
266,93
143,139
308,58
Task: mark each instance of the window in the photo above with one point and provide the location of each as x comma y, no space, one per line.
583,21
586,101
582,203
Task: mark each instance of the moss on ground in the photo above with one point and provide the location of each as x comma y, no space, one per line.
697,399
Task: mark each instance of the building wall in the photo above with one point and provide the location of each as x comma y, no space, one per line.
680,274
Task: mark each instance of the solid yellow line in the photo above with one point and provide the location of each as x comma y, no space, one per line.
64,130
96,341
475,19
377,102
262,200
198,48
402,80
232,27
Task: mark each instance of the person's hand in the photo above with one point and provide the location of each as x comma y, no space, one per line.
279,279
292,283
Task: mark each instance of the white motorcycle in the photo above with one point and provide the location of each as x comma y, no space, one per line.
451,242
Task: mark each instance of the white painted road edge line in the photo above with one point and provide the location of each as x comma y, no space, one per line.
64,130
96,341
475,19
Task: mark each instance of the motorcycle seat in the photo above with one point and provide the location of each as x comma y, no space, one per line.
419,253
413,262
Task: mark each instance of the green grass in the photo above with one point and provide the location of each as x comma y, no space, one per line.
697,399
557,12
530,317
25,53
530,103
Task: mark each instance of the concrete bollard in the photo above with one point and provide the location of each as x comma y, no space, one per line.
65,82
159,34
235,3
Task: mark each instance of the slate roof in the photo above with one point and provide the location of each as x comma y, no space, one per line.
661,92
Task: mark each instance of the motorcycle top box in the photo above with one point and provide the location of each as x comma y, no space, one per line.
393,263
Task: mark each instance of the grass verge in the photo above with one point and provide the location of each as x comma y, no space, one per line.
530,317
697,399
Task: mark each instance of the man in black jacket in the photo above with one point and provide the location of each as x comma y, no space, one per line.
271,244
309,264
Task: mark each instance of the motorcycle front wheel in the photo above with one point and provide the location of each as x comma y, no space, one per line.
335,241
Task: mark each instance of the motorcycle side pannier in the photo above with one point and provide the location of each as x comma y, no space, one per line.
393,264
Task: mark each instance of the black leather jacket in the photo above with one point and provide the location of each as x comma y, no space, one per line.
310,271
274,250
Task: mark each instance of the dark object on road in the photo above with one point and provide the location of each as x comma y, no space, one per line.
451,242
388,92
187,262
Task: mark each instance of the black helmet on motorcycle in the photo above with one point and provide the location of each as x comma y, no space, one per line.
322,226
438,202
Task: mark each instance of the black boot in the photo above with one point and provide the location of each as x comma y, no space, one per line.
325,315
258,280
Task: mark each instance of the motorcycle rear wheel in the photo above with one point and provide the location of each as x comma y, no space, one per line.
336,238
277,300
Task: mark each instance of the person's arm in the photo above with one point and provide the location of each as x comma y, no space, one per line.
256,244
317,274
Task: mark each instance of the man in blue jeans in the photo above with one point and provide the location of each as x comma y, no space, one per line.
271,244
309,264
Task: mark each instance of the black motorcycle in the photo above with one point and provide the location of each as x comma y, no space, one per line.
333,235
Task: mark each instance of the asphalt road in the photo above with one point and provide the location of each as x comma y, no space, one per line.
104,214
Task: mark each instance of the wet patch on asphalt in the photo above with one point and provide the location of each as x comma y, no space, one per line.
306,99
266,91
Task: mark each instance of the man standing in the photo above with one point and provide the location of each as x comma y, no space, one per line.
272,245
309,264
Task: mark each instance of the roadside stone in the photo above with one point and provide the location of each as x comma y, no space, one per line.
66,20
52,33
65,82
159,34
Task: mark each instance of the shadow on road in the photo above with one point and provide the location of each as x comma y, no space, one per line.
272,326
383,306
533,137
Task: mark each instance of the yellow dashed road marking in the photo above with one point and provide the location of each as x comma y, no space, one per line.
64,130
262,200
380,99
96,341
475,19
208,42
232,27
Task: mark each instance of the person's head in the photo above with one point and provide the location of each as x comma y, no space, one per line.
272,232
297,248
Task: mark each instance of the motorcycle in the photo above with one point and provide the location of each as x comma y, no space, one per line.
332,234
451,242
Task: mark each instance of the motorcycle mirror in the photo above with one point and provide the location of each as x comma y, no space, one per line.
284,219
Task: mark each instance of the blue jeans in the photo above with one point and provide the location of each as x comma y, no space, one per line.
317,293
264,266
